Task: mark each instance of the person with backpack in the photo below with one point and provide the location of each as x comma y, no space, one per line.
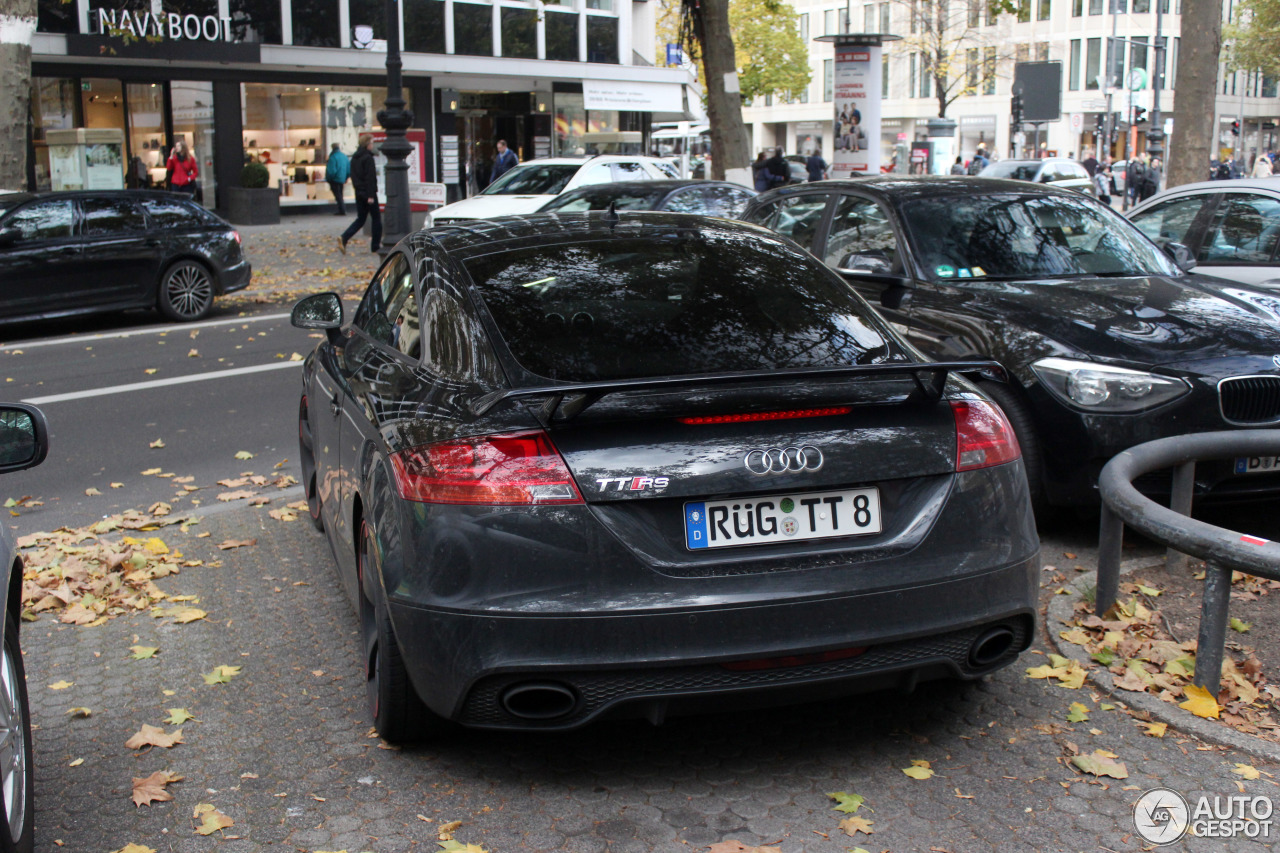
336,172
978,163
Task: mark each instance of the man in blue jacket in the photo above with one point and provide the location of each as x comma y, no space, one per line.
505,160
336,172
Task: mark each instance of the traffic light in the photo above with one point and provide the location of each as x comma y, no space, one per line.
1016,107
1100,124
1235,128
1139,115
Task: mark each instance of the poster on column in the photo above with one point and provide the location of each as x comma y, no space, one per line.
857,111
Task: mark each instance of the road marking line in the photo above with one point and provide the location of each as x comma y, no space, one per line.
159,383
155,330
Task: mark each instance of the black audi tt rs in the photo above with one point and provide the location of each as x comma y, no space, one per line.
576,465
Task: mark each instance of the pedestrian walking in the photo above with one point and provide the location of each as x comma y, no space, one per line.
978,163
336,172
505,161
779,171
1151,179
364,179
1261,167
816,166
1091,165
1102,183
957,168
181,169
760,172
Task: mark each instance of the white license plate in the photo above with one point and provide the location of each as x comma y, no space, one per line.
1258,464
781,518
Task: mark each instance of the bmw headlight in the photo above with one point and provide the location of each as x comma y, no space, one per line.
1104,388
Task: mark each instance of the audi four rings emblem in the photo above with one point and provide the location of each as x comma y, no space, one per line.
776,460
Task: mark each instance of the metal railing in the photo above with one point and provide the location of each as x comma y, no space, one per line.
1222,550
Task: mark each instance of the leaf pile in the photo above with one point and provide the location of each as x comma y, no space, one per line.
83,579
1132,641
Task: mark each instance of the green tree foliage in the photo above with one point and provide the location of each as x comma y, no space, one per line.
772,59
1255,36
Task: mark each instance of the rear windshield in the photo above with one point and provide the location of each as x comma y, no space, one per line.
674,305
533,179
579,201
1012,169
174,213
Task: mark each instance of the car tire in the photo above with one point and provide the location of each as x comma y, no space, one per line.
17,768
398,713
1020,419
314,508
186,292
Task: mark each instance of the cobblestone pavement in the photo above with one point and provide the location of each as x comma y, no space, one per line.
284,748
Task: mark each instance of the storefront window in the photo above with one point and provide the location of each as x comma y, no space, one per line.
255,21
571,124
562,35
193,123
55,16
602,39
424,26
519,33
472,29
315,23
148,145
291,128
369,13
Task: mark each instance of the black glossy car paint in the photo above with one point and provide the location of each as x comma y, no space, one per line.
81,273
484,597
1198,328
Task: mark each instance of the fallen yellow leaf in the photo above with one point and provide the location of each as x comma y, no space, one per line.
1200,702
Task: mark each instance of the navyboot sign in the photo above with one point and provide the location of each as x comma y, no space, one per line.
172,26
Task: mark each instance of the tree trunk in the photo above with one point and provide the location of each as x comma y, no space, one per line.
17,24
1195,127
729,146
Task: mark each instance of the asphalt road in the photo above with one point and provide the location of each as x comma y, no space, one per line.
110,387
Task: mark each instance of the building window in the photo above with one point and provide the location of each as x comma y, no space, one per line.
255,21
562,35
1077,8
1138,54
885,18
602,5
1095,7
1092,63
519,33
884,76
829,22
315,22
991,13
1024,11
828,80
804,27
1042,51
926,79
1043,10
988,71
971,71
869,18
55,16
424,26
1174,46
472,29
1141,7
602,39
1073,69
370,13
911,76
1115,62
1022,53
975,12
1119,7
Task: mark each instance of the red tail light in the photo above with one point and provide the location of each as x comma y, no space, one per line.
499,470
766,416
236,234
983,435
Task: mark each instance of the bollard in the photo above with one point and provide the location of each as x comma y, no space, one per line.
1184,484
1213,627
1110,542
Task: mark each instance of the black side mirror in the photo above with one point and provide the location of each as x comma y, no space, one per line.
865,265
319,311
24,437
1181,255
9,236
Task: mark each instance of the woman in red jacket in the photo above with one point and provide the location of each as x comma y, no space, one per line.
182,169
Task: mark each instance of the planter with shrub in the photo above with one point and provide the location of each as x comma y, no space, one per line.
253,202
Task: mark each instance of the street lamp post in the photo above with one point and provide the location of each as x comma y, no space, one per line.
1155,136
395,119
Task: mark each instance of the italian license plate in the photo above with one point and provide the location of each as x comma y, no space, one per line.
781,518
1258,464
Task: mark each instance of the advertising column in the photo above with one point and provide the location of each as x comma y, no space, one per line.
857,111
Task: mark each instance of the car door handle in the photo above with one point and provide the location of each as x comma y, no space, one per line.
335,405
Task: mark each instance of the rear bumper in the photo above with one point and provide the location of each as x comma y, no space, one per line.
235,277
648,663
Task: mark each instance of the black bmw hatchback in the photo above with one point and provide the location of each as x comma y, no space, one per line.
1109,340
81,252
573,465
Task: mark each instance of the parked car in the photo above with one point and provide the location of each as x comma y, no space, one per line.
24,443
584,465
81,252
707,198
528,186
1054,171
1231,227
1109,341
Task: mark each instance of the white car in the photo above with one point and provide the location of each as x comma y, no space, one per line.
1231,228
528,186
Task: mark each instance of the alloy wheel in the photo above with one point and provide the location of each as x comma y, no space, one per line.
13,746
188,291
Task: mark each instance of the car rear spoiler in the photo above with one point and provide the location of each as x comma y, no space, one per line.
565,402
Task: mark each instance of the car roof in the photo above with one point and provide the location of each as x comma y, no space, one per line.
481,236
138,194
594,158
672,184
901,187
1272,184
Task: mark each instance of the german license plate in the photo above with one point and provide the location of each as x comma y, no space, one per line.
1258,464
781,518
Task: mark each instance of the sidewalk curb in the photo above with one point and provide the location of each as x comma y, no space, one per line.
1058,617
